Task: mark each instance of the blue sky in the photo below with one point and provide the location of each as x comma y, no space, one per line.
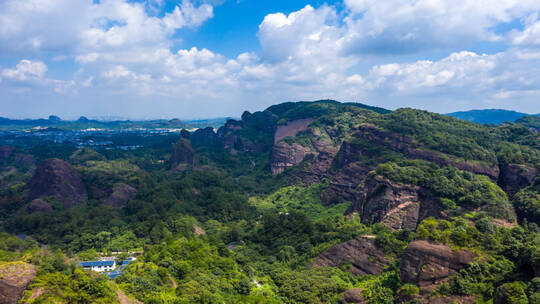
209,58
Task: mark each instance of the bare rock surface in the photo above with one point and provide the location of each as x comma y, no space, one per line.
395,205
291,128
352,296
183,153
55,177
39,205
514,177
365,258
285,155
427,264
121,194
14,278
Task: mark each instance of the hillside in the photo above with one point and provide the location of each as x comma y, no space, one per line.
491,116
307,202
531,122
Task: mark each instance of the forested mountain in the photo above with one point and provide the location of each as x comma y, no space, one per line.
307,202
490,116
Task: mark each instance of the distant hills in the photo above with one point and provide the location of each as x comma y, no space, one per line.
489,116
55,122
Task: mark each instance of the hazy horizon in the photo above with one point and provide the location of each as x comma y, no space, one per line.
119,118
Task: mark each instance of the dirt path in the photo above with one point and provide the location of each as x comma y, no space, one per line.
124,299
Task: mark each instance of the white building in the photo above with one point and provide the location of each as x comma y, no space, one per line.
99,266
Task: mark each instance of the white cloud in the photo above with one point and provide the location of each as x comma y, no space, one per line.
530,36
403,26
308,32
122,52
90,57
25,70
457,70
82,28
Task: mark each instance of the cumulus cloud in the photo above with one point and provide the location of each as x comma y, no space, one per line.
34,26
402,26
530,36
26,70
123,52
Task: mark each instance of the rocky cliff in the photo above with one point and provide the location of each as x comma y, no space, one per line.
254,133
54,177
121,194
352,296
361,253
285,155
366,136
39,205
395,205
291,128
204,137
183,154
514,177
427,264
14,278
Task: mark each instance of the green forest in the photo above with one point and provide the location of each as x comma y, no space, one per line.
354,204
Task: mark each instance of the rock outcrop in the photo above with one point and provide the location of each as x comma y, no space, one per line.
427,264
514,177
362,254
39,205
352,296
121,194
366,136
14,278
395,205
183,154
204,137
55,177
291,128
253,134
285,155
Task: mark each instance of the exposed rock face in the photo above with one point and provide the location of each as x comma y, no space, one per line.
39,205
410,148
395,205
121,194
291,128
183,153
204,137
14,278
364,256
55,177
285,155
352,296
347,185
514,177
427,264
254,133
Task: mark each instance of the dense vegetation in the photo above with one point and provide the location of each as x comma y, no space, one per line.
223,229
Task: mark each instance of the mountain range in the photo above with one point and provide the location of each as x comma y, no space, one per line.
490,116
303,202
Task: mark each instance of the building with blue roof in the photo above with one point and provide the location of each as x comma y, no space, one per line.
113,275
99,266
